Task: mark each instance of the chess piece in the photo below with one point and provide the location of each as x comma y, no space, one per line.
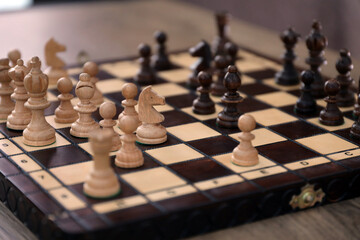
38,132
355,128
65,112
129,155
107,112
92,69
20,117
160,59
316,42
229,116
101,181
356,111
217,87
56,66
203,51
85,124
345,97
14,55
6,105
331,115
245,154
150,131
289,75
222,22
129,91
306,104
232,52
203,104
146,74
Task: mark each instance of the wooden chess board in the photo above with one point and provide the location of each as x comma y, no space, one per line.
187,185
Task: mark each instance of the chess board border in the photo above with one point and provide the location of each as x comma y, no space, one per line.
233,210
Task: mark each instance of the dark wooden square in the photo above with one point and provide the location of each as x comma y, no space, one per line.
171,140
212,123
66,133
290,110
214,145
256,88
345,133
297,129
262,74
148,163
198,170
286,152
181,101
8,132
251,104
60,156
175,117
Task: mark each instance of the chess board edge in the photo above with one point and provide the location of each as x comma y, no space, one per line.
230,211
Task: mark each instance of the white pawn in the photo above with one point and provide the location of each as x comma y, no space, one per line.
65,112
92,69
245,154
107,112
129,155
101,181
85,124
129,91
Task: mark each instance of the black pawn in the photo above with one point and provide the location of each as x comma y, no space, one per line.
306,104
289,75
331,115
356,112
228,118
146,74
218,88
232,52
345,97
316,42
161,59
355,128
203,104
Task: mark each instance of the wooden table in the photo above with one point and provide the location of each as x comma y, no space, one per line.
110,30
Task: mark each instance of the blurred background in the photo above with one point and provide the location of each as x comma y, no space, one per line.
338,17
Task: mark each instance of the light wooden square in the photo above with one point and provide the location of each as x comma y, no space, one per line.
202,117
60,141
51,97
183,59
249,66
9,148
263,136
326,143
169,89
87,147
176,76
271,82
174,153
225,159
277,99
272,116
111,85
123,69
73,71
26,163
192,131
51,120
74,173
153,179
45,180
347,124
344,155
67,199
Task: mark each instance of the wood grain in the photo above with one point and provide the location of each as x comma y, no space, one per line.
111,30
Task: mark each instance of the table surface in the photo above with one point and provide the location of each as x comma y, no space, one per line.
114,29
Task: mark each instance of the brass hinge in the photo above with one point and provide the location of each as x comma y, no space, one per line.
307,198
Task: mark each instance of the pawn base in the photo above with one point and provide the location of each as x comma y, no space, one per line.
355,131
145,79
218,89
331,119
100,185
287,79
38,142
17,122
129,159
227,121
151,134
203,108
82,130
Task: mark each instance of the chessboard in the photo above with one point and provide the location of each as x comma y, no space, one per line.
188,184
